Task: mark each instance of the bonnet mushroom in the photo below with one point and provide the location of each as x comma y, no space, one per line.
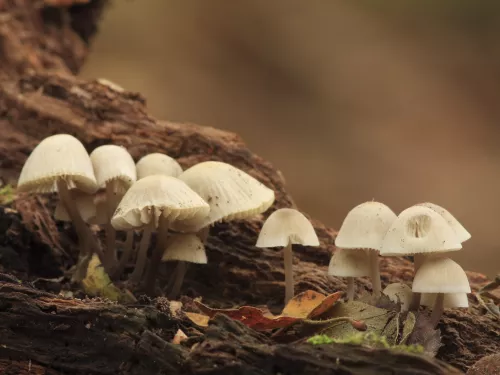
284,228
184,248
115,171
419,231
442,276
231,194
157,163
399,293
349,264
364,227
450,300
61,164
462,233
156,202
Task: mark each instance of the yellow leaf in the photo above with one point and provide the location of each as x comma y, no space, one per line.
198,319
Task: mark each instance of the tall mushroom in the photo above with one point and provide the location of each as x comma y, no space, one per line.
283,228
156,202
419,231
442,276
462,233
364,227
183,248
61,164
157,163
115,171
349,264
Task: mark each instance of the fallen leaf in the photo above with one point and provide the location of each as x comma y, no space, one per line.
391,330
198,319
175,308
179,337
426,335
98,284
408,327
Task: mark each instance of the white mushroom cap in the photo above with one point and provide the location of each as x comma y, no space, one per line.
419,229
285,226
84,204
398,292
157,195
60,156
185,247
460,231
365,226
349,263
440,275
451,300
231,193
113,163
157,163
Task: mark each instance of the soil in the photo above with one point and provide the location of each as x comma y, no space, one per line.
44,333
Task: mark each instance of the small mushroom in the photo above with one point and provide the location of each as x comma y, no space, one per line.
459,229
284,228
350,264
364,227
61,164
231,194
115,171
184,248
441,276
156,202
157,163
399,293
84,204
450,301
419,231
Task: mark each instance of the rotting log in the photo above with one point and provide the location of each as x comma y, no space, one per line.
41,48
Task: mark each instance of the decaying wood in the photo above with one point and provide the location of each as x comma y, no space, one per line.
41,48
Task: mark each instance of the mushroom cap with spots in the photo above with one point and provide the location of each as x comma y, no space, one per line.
231,193
451,300
57,157
157,163
285,226
440,275
153,196
365,226
113,163
185,247
459,229
418,230
399,293
349,263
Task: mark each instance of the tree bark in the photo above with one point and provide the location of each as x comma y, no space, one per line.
41,48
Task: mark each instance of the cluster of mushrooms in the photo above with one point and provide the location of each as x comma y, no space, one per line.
155,195
425,231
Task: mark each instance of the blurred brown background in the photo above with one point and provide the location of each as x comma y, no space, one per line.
350,100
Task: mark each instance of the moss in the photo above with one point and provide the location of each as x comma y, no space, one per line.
369,339
7,194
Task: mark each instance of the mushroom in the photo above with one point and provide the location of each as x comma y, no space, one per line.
419,231
115,171
350,264
231,194
399,293
284,228
156,202
450,301
441,276
364,227
84,204
60,163
459,229
183,248
157,163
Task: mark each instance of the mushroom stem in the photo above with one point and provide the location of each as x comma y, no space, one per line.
179,272
161,244
350,288
375,273
289,286
86,240
437,310
418,260
127,252
142,255
110,257
203,233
